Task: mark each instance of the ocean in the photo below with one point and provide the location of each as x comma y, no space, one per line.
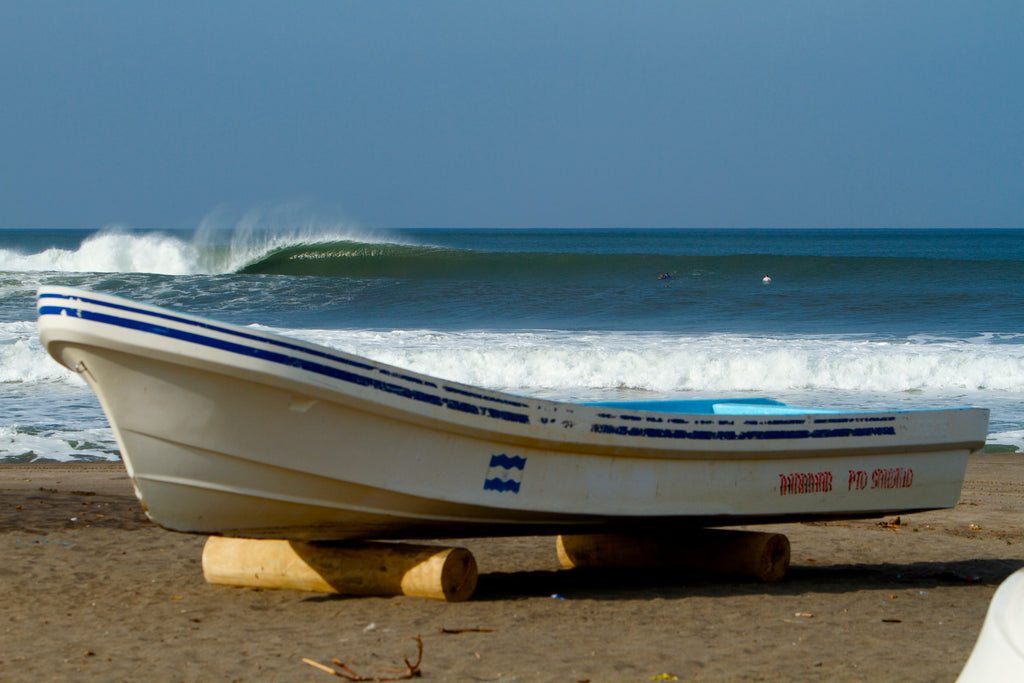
852,318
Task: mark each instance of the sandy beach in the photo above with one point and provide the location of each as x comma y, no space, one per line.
94,591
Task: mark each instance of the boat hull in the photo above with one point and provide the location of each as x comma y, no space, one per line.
225,430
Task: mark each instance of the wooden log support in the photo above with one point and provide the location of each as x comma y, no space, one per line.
720,552
430,571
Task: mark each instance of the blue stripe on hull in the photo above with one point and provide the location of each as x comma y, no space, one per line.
760,434
502,485
508,462
283,359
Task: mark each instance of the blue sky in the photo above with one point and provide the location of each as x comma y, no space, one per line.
516,114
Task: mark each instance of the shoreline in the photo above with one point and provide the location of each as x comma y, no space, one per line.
96,591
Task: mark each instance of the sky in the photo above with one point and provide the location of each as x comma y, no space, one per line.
551,113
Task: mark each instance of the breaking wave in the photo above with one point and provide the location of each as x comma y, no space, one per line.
204,252
347,252
110,252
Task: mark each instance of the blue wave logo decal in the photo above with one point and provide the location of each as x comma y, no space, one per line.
505,473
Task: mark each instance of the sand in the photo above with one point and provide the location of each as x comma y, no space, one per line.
93,591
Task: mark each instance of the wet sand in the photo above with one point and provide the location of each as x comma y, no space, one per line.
93,591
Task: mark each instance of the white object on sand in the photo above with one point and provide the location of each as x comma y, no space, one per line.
998,655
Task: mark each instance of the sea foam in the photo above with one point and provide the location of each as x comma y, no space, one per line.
28,444
110,252
563,361
23,359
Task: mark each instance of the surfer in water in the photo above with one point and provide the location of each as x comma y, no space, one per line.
767,280
665,276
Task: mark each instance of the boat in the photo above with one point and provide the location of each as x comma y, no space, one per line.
231,430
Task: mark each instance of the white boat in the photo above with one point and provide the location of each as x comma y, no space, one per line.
230,430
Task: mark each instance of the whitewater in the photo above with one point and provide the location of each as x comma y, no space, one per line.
852,319
117,250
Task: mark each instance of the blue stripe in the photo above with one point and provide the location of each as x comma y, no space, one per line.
272,356
760,434
842,420
471,394
501,485
283,343
508,462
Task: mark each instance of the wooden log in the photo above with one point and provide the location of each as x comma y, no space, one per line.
430,571
721,552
